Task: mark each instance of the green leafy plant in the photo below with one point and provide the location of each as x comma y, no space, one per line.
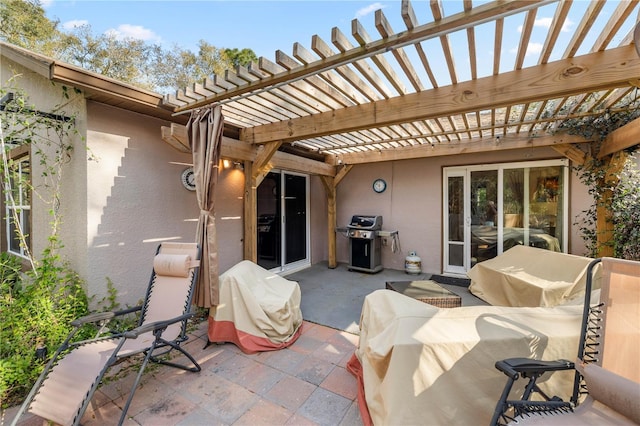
625,199
626,212
35,314
36,306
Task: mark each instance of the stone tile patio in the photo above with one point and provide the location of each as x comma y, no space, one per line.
305,384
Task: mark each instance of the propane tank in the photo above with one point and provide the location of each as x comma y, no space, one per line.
413,264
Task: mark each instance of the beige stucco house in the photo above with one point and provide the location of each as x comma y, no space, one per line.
123,190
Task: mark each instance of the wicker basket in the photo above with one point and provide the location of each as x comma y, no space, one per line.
426,291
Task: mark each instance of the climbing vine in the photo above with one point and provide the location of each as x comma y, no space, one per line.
36,305
615,188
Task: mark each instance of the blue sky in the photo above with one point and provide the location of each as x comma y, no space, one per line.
265,26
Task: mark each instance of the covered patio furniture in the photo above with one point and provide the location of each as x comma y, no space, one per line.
606,387
529,276
258,310
65,388
419,364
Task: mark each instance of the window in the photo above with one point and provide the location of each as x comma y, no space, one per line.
487,209
18,206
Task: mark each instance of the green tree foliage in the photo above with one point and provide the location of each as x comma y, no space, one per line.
179,67
126,60
240,57
23,23
147,65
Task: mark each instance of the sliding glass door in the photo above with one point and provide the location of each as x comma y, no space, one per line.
491,208
283,221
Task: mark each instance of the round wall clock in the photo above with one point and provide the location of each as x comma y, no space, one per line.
188,179
379,185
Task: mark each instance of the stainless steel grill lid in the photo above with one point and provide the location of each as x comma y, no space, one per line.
373,223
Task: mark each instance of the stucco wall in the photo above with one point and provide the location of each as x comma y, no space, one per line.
412,203
136,200
47,97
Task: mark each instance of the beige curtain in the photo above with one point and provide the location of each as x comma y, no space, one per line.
205,138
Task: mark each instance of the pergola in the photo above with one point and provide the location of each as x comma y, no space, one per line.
363,98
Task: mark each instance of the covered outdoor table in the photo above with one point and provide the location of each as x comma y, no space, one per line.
258,310
417,364
529,276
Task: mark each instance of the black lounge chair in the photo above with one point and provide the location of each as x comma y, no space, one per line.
607,370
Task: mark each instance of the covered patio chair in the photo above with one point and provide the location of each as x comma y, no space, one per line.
64,390
606,386
258,310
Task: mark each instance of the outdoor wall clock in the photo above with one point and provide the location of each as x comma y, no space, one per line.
188,179
379,185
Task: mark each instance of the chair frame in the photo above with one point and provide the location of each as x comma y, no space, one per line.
514,368
102,319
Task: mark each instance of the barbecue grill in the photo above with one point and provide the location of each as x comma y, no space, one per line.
365,243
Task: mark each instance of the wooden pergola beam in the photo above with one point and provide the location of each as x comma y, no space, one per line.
474,146
621,138
595,71
176,136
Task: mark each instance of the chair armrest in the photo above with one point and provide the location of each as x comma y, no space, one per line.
95,317
101,316
128,310
513,367
155,326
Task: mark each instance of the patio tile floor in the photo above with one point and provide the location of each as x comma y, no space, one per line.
305,384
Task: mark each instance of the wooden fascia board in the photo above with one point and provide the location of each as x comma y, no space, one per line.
456,22
475,146
587,73
622,138
34,62
92,82
238,150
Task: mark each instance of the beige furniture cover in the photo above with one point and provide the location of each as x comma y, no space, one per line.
258,310
529,276
417,364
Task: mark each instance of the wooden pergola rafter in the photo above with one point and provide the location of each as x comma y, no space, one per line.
331,97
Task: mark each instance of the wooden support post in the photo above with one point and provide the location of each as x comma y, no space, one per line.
330,186
254,173
604,219
250,214
330,189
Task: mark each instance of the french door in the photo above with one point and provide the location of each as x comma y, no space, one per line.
488,209
283,221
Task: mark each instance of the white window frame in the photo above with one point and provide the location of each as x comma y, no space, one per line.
20,203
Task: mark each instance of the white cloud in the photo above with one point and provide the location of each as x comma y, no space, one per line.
566,27
532,48
45,3
546,23
369,9
73,24
543,22
136,32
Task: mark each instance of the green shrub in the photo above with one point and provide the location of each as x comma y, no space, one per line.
626,212
36,311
